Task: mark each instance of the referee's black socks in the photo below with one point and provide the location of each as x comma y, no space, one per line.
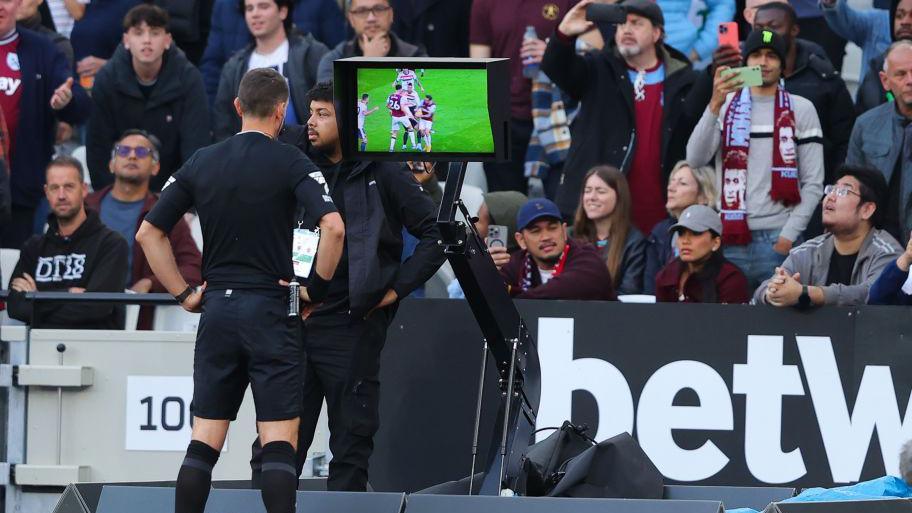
279,477
195,478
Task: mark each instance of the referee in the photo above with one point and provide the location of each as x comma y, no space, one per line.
245,190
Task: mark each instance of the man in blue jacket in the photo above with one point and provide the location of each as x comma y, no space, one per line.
228,33
38,87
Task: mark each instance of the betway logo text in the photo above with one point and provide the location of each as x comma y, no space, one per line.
763,380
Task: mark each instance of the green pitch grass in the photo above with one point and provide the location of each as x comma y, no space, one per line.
461,123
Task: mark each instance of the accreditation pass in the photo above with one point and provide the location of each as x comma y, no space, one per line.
304,250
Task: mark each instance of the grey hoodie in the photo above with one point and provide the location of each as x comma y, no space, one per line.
812,260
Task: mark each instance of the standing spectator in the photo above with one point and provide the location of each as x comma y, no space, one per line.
603,219
838,267
700,274
77,254
890,288
64,13
149,84
882,139
769,159
550,265
293,55
189,24
497,29
697,42
372,21
28,17
869,29
40,90
228,32
815,28
123,206
638,106
441,27
870,91
686,186
97,34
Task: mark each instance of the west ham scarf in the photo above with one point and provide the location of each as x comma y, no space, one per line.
529,264
784,188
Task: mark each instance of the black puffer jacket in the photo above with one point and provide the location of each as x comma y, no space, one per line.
175,112
605,128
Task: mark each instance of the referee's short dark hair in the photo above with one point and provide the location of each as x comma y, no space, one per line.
321,92
261,90
152,15
67,161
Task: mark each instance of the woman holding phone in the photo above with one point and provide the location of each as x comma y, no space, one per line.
603,219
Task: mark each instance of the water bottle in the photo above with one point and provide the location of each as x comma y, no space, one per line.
530,68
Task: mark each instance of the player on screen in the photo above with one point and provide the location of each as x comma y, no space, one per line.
363,112
426,111
405,77
411,100
402,117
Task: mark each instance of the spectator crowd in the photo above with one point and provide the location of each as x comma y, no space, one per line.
646,160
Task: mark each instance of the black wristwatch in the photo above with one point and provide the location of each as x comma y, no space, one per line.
184,295
804,300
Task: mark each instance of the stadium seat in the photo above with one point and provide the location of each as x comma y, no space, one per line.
80,155
475,176
8,259
174,318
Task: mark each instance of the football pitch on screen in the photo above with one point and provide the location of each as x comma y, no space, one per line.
461,123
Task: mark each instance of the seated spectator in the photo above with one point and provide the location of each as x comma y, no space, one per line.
700,274
123,206
276,46
890,287
148,84
33,103
603,219
869,29
28,17
883,135
64,13
870,90
442,28
638,106
77,254
691,33
498,29
228,33
97,34
189,24
550,265
686,186
372,21
838,268
768,158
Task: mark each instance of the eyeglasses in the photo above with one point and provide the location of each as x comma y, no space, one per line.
840,191
123,151
376,10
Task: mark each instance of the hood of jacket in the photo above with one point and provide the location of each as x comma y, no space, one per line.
171,81
53,241
398,47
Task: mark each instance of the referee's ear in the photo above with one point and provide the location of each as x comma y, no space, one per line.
237,107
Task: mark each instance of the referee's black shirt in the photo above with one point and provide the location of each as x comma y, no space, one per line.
245,190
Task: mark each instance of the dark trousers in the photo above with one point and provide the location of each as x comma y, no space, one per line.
19,229
342,365
511,175
817,30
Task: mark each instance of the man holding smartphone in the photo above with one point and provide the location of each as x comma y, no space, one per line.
770,147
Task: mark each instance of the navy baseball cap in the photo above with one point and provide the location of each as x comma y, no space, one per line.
534,210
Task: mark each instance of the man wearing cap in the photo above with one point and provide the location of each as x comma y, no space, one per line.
638,106
551,265
838,267
768,155
700,274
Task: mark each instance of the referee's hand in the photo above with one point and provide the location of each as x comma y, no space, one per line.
194,302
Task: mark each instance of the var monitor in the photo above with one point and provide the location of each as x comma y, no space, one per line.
423,109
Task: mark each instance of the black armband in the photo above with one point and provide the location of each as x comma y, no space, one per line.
317,288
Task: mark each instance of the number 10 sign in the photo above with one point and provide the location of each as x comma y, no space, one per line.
158,413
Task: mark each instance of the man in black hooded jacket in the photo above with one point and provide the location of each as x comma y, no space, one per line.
344,335
148,84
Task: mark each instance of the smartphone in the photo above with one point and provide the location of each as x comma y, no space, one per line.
728,34
497,236
750,75
606,13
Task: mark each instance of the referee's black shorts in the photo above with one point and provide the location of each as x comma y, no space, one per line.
246,336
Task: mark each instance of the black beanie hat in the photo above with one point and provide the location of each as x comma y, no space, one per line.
762,38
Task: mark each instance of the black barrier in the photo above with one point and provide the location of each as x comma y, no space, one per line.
783,397
867,506
485,504
753,497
